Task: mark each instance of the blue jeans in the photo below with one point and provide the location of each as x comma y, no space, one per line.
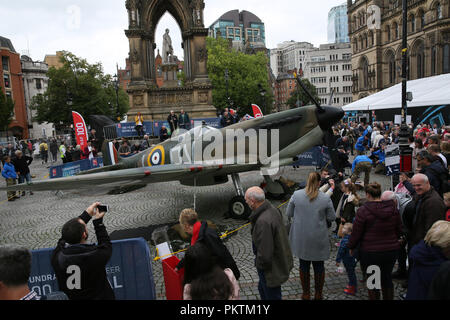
24,177
350,269
265,292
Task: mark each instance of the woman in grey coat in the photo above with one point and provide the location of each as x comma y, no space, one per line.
311,209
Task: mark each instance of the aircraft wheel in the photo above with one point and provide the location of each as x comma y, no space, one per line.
238,208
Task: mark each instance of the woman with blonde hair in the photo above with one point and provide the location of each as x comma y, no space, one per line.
346,208
425,259
311,209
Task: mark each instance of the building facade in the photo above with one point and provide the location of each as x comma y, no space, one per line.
338,24
285,86
329,69
53,60
35,82
11,82
242,28
288,56
377,42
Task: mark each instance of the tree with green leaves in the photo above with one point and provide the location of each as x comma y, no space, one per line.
6,111
78,86
247,77
299,97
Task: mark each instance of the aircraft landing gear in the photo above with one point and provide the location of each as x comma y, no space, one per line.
238,208
275,190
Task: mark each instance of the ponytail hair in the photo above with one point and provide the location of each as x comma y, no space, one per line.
312,186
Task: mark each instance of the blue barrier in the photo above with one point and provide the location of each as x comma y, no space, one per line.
152,128
127,129
157,125
129,271
314,157
72,168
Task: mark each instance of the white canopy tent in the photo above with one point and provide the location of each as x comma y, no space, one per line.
429,91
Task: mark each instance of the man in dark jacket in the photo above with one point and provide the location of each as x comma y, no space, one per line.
200,232
273,255
432,168
54,150
172,119
21,163
429,208
80,267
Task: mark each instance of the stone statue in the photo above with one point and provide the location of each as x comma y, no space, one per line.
167,48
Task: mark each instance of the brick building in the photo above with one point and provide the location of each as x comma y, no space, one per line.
11,81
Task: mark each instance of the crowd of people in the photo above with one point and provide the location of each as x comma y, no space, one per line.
374,229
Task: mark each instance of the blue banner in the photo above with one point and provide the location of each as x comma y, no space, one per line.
314,157
72,168
157,125
129,271
127,129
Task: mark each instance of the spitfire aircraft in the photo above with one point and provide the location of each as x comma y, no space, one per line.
207,156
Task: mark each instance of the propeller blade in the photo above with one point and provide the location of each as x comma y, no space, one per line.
302,85
331,97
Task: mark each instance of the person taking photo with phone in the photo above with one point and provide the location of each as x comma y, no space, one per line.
79,266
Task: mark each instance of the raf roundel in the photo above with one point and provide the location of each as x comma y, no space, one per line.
156,157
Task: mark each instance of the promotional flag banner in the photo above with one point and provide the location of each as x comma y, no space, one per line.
79,126
257,111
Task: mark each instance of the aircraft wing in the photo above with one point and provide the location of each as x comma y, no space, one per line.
146,175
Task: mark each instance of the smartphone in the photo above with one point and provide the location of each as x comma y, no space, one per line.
102,208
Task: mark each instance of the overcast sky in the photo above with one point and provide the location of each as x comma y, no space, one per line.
94,29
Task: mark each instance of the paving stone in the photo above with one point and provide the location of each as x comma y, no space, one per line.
35,222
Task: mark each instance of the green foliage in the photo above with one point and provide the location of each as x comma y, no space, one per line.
245,73
6,110
78,86
301,96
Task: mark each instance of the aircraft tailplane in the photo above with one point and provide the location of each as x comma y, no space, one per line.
110,154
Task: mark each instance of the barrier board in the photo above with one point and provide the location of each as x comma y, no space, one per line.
129,271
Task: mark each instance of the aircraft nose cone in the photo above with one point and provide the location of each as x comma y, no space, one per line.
331,116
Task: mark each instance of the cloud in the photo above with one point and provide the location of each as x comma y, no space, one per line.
94,30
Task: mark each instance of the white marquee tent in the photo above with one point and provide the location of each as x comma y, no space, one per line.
429,91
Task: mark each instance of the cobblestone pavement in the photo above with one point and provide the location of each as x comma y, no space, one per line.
35,221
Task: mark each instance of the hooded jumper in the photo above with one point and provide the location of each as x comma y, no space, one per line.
377,227
425,261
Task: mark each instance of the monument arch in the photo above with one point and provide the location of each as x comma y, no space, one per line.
195,97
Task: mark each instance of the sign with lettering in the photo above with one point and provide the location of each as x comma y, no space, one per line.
129,271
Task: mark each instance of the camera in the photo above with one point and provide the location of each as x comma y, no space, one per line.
102,208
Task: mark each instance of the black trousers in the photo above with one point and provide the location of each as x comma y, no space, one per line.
385,260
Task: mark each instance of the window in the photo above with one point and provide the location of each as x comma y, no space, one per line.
433,60
38,84
439,11
396,30
6,80
5,63
391,69
446,58
413,23
422,19
388,33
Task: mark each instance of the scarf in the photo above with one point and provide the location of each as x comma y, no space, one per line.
195,232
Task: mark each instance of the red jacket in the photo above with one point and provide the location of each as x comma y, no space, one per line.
376,227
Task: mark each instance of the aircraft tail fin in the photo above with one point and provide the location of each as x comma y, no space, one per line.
110,154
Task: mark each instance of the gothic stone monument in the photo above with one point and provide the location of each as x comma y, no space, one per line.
155,103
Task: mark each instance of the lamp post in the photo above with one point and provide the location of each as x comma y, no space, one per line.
263,92
405,150
227,77
116,86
